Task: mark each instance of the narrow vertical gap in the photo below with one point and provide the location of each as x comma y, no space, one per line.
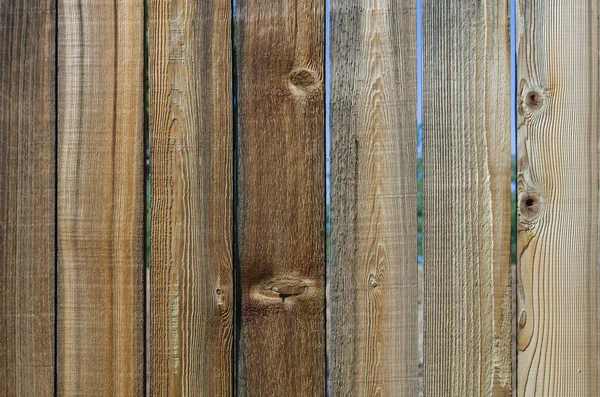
147,202
327,136
327,148
237,286
419,56
513,131
56,148
419,166
513,180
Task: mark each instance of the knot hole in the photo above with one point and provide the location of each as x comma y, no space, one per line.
534,100
530,205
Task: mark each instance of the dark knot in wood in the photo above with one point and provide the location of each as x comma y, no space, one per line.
530,205
302,78
534,100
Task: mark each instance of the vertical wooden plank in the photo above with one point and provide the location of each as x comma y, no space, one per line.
281,194
466,198
372,328
557,77
27,197
191,284
100,198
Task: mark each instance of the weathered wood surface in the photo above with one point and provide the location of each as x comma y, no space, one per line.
191,284
372,329
280,203
557,91
100,198
466,198
27,193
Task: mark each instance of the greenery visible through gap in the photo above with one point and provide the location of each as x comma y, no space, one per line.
513,210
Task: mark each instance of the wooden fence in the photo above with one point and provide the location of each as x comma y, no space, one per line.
231,293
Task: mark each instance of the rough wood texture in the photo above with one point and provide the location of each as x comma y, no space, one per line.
191,284
27,192
281,202
100,198
372,327
557,77
466,198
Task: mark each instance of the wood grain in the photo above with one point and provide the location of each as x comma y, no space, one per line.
280,202
191,284
372,327
466,198
100,198
557,76
27,197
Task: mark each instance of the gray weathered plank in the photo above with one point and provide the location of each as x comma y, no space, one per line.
466,198
372,327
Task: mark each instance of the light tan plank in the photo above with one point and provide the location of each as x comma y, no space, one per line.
557,76
27,197
191,284
281,204
100,198
466,198
372,325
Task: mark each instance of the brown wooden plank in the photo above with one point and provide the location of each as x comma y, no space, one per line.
100,198
281,190
557,245
466,198
372,328
191,284
27,197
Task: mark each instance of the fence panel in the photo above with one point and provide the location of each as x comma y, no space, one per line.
100,198
557,76
280,201
27,193
372,327
466,198
236,286
190,114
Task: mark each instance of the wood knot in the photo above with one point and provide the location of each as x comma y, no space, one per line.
282,288
303,81
533,99
302,78
530,205
373,281
286,290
